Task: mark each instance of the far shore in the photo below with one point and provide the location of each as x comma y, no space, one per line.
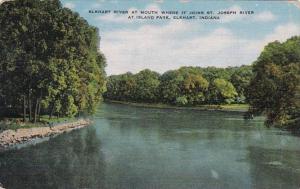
10,138
225,108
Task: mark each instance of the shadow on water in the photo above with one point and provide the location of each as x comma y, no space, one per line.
72,160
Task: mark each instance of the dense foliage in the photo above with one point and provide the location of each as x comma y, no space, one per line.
50,61
185,86
275,87
271,86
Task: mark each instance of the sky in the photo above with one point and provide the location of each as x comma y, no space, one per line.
161,45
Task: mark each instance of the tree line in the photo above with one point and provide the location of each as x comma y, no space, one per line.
185,86
50,61
271,85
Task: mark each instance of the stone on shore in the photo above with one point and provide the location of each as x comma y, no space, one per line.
11,137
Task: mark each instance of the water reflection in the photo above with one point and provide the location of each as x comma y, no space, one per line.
187,149
131,147
271,168
72,160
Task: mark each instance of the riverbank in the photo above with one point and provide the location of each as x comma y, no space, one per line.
229,107
10,138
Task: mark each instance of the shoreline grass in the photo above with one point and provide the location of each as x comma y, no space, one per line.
15,123
227,107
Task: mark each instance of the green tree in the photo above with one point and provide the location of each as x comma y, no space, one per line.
194,87
184,85
170,86
222,91
147,83
212,73
240,79
274,90
140,87
181,101
121,87
50,61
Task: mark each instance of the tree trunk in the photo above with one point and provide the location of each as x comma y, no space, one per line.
29,106
39,107
35,110
51,111
39,111
24,108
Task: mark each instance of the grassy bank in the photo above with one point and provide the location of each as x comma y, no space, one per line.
15,123
227,107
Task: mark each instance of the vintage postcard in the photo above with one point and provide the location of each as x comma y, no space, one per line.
149,94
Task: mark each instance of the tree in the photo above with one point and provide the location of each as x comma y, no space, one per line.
212,73
185,86
181,101
147,83
170,86
50,61
121,87
222,91
274,90
194,88
240,79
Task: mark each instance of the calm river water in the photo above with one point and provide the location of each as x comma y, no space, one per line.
132,147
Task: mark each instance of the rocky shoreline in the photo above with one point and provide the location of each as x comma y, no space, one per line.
10,138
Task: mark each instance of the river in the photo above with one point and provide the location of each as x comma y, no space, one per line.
147,148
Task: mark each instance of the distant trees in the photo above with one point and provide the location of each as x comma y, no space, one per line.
271,85
146,88
274,89
240,80
50,63
170,88
186,86
141,87
222,91
121,87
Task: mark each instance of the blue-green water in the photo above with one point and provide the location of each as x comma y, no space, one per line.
131,147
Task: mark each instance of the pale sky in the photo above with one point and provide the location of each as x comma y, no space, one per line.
170,44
